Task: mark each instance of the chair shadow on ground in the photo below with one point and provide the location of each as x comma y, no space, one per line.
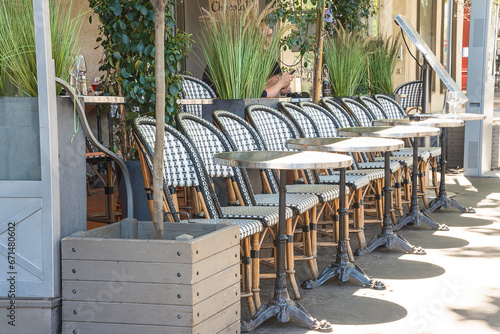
454,218
340,307
399,268
429,239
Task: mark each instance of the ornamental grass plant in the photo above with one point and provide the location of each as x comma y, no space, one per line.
17,43
345,54
381,64
240,56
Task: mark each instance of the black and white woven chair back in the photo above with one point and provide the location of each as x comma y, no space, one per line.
182,167
274,128
208,140
239,133
411,94
193,88
326,122
302,121
343,117
242,137
361,115
392,109
374,107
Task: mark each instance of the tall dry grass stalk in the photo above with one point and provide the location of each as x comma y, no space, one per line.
239,55
382,63
17,43
345,54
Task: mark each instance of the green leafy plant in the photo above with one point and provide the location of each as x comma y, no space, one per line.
345,54
17,43
127,36
240,56
352,15
381,64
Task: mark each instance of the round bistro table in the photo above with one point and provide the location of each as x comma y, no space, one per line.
342,268
281,306
442,200
387,237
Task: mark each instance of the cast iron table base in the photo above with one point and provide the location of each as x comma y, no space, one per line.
414,215
443,200
281,306
387,237
342,268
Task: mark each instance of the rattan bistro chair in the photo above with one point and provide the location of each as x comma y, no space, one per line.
193,88
410,95
243,137
183,168
309,116
363,116
208,140
391,108
396,111
275,129
374,107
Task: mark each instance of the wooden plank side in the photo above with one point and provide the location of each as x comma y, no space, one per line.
214,304
148,293
220,323
152,314
157,251
127,313
69,327
235,328
175,273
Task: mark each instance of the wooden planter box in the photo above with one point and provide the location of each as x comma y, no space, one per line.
116,282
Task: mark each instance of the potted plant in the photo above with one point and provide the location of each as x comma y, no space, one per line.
240,56
126,35
29,142
19,102
381,64
345,54
174,278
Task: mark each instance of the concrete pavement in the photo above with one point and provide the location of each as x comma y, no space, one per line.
454,288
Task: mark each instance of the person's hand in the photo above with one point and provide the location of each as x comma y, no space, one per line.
285,80
272,81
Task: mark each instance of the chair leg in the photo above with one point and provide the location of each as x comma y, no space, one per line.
423,183
290,265
307,241
435,183
247,276
397,187
254,255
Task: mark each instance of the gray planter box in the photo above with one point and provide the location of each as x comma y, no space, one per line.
113,283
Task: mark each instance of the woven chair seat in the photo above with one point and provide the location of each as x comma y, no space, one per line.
372,174
299,203
394,166
403,160
269,216
248,227
423,153
325,192
353,181
433,151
